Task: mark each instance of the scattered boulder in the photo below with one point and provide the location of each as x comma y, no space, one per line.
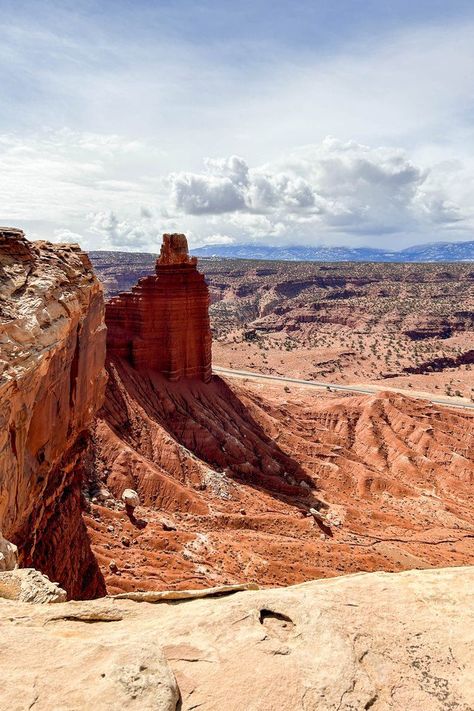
29,585
8,554
130,498
104,494
319,516
168,526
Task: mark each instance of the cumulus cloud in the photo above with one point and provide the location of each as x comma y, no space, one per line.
234,168
228,185
66,236
107,192
205,194
116,233
333,186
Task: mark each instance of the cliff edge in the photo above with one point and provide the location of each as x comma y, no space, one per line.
52,381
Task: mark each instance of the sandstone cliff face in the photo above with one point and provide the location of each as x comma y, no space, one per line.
163,323
52,380
375,641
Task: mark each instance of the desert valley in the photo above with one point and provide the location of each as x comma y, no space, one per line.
129,467
392,473
408,326
237,355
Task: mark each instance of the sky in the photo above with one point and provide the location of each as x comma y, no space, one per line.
313,122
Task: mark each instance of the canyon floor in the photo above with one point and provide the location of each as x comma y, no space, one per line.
228,471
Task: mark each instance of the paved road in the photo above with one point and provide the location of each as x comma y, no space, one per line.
364,389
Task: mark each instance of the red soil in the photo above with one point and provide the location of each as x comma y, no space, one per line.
226,476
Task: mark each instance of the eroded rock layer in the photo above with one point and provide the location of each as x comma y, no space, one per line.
163,323
52,379
251,483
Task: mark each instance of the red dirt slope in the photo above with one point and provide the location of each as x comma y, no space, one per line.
226,477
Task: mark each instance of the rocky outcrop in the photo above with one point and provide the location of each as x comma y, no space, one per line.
371,641
163,323
8,554
439,364
29,585
52,379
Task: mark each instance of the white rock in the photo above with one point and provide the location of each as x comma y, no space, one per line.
379,641
318,515
130,498
8,554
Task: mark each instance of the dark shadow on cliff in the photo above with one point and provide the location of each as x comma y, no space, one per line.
210,421
54,538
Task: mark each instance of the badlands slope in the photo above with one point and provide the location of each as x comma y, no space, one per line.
227,473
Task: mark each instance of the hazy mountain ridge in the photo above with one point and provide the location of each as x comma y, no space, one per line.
432,252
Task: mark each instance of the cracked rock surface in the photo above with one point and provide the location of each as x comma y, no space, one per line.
368,641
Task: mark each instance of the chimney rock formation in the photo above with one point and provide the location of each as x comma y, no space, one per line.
163,323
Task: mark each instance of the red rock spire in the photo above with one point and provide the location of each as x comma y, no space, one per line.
174,250
163,323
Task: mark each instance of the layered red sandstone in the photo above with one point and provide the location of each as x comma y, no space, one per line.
52,350
227,475
163,323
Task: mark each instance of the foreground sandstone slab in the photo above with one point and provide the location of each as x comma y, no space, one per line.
379,641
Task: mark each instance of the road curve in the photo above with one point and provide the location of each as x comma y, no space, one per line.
364,389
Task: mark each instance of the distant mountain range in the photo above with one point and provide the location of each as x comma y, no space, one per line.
432,252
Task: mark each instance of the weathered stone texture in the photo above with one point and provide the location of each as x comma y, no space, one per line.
163,323
385,642
52,380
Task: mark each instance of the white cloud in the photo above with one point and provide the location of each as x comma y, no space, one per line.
332,187
205,194
108,192
218,239
234,168
66,236
141,169
228,186
122,234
